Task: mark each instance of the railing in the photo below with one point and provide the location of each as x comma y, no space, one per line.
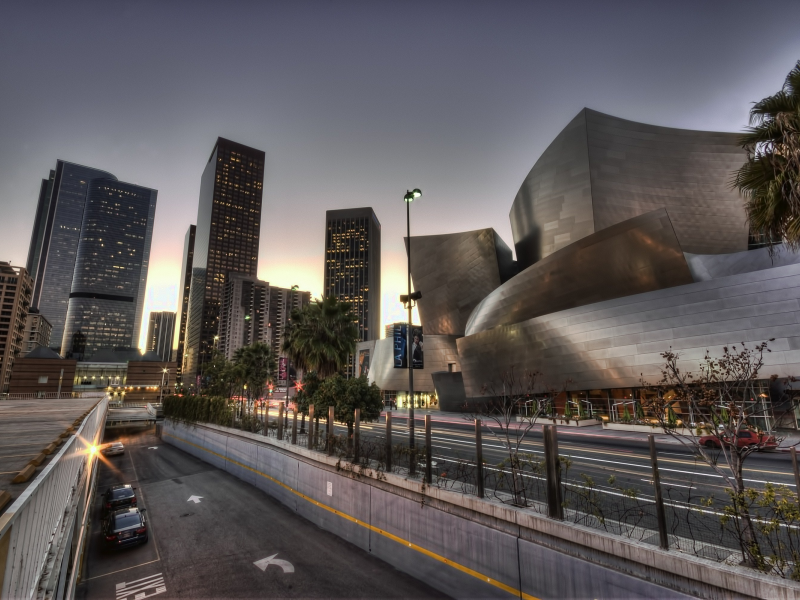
52,395
39,525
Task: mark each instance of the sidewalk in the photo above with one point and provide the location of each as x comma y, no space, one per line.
596,431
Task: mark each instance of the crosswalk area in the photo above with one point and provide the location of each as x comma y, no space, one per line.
141,588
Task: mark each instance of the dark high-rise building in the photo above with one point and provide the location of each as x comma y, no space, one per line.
160,331
353,265
39,223
244,314
281,303
228,223
106,299
54,240
186,283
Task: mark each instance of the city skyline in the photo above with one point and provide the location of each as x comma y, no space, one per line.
460,109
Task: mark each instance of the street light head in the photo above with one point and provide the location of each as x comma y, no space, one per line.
416,192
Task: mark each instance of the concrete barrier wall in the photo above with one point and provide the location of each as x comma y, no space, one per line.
458,544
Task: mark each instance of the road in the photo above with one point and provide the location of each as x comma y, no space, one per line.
617,465
208,549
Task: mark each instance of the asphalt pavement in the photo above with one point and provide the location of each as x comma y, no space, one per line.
214,536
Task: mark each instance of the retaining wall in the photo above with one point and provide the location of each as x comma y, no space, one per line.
464,546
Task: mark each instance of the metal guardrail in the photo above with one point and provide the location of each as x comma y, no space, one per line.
52,395
39,527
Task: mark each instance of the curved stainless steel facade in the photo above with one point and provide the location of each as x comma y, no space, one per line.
455,272
640,255
614,343
602,170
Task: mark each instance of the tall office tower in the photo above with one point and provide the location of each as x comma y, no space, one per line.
16,288
106,300
244,314
39,223
183,308
37,331
281,303
353,266
228,223
160,332
54,241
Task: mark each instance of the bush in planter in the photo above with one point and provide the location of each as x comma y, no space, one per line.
567,411
672,418
626,415
639,411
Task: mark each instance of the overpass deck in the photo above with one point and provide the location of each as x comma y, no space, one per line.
27,427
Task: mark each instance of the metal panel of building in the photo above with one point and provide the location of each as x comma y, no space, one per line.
616,343
602,170
640,255
455,272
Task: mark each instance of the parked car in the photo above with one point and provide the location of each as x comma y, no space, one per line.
113,449
126,527
744,439
118,496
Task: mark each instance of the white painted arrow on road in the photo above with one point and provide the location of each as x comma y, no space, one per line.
153,448
271,560
195,499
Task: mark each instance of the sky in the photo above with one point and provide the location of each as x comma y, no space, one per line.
354,103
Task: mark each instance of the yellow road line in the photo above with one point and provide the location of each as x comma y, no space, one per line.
399,540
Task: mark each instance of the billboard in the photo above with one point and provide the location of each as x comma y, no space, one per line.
401,348
363,362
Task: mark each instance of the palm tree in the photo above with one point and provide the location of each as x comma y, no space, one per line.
322,336
257,362
770,179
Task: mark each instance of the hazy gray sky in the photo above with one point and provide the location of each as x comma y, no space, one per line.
355,102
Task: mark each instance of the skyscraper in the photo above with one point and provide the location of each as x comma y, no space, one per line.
353,265
39,223
183,307
244,314
281,303
54,240
106,300
17,289
160,332
228,223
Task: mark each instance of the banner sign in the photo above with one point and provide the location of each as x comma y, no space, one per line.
401,348
282,368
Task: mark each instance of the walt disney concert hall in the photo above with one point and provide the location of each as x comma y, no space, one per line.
629,241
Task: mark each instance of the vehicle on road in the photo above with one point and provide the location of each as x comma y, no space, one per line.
117,497
745,439
126,527
113,449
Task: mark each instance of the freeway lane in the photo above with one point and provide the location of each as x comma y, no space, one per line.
207,548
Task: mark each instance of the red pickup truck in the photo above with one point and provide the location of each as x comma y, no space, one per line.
743,440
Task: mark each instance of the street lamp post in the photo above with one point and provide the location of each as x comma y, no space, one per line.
409,198
161,394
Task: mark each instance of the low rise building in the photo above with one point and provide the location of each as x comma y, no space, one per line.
43,373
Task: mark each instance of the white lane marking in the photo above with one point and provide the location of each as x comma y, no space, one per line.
153,448
195,499
139,589
271,560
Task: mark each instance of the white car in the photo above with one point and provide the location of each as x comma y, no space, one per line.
113,449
